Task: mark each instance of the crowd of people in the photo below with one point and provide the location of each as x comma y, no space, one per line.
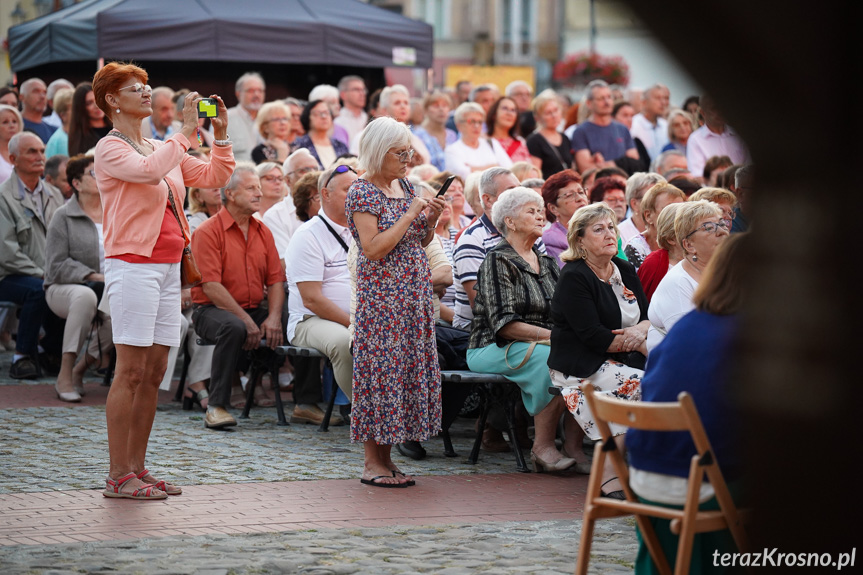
569,242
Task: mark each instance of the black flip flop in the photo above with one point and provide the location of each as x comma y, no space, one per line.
374,483
406,483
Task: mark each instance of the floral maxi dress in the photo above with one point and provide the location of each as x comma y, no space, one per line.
396,377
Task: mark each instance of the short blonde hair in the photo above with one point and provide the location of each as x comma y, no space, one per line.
542,100
689,214
714,195
523,170
471,188
665,226
583,218
266,112
376,139
14,111
648,200
63,100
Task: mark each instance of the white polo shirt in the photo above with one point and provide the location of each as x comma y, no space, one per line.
282,220
314,255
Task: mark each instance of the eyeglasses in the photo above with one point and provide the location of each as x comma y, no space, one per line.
507,109
274,178
358,89
569,195
405,156
92,173
282,119
473,122
710,227
339,170
302,171
138,88
320,114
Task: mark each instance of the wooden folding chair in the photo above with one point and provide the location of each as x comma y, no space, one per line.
686,522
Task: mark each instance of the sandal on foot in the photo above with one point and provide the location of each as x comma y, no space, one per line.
194,398
374,481
261,397
148,492
619,494
408,483
161,485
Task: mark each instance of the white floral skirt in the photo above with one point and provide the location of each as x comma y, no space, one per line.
613,379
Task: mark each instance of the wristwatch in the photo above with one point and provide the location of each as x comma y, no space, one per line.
225,142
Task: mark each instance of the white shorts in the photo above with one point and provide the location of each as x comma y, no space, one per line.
144,301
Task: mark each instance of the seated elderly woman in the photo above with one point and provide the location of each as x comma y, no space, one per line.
563,195
669,254
473,152
695,357
307,199
725,199
273,186
511,325
74,280
652,204
599,316
317,120
273,123
699,228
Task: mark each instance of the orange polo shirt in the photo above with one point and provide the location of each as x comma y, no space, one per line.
243,266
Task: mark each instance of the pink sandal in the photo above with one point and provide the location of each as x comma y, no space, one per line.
113,487
161,485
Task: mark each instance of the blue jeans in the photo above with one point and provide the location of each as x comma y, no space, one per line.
27,292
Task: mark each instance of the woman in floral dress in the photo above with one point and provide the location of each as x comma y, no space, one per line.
396,378
599,316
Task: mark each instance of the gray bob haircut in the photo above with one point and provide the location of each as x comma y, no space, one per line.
387,94
240,169
467,108
510,202
381,135
639,182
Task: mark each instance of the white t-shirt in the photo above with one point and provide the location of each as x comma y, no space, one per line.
352,123
282,220
671,301
461,157
315,255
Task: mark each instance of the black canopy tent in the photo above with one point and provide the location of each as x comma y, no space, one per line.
337,34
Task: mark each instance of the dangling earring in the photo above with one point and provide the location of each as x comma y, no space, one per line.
694,258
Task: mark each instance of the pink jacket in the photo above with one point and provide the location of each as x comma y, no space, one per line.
134,194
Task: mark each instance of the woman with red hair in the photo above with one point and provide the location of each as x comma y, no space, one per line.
143,184
563,195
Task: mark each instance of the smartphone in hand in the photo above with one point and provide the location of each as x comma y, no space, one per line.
445,186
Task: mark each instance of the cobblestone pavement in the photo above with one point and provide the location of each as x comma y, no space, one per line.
65,448
541,547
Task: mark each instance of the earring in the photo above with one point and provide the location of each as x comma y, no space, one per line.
118,110
694,258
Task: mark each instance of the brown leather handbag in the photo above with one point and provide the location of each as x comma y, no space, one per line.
190,275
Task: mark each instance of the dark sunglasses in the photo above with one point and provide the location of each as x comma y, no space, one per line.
339,170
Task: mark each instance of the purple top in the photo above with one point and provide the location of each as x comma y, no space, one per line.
555,242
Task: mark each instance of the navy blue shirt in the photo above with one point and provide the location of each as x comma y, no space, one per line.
611,141
694,357
41,129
